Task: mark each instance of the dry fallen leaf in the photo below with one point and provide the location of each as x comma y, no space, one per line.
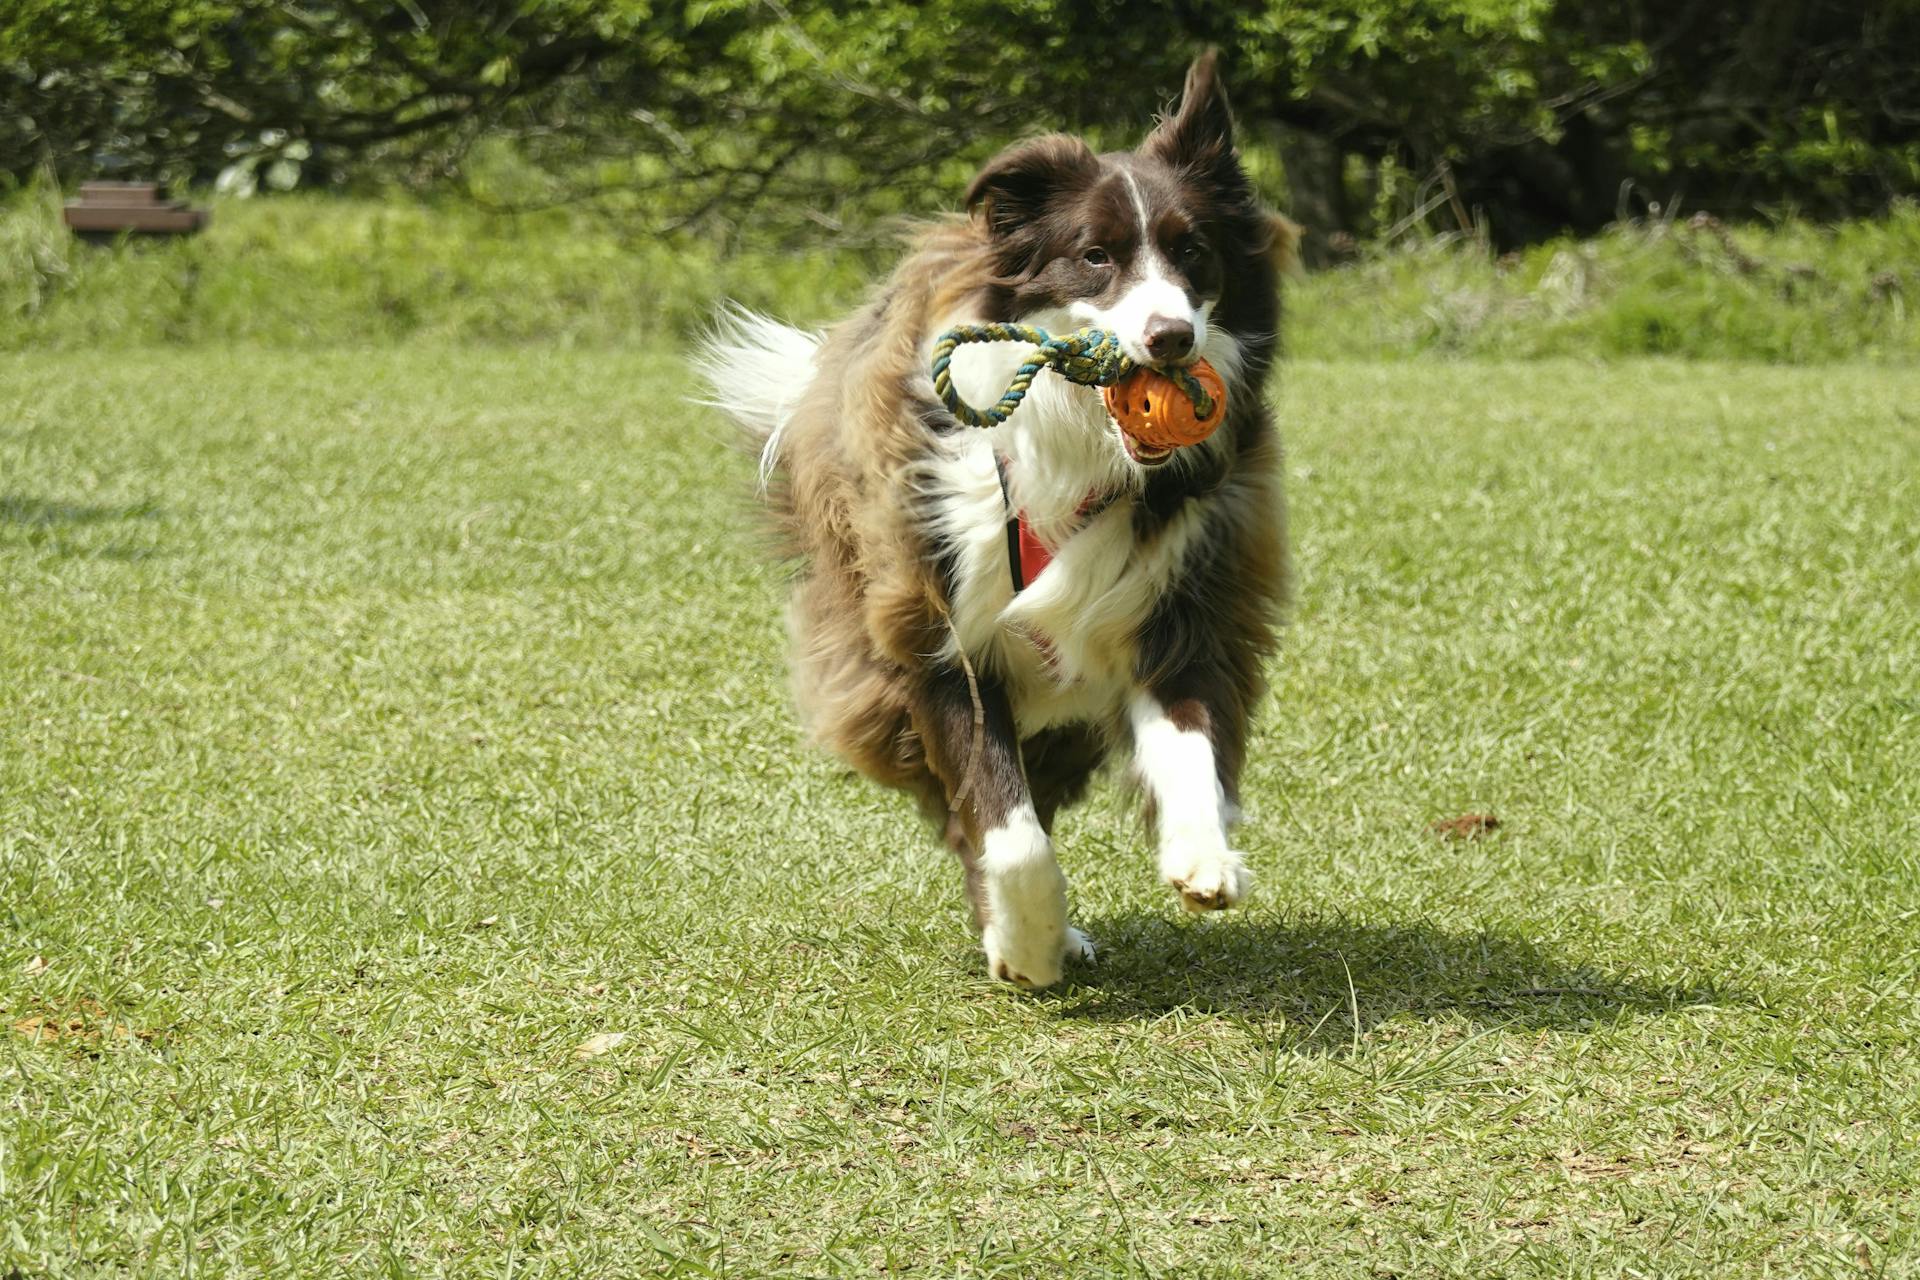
1468,826
486,923
36,965
594,1046
87,1025
39,1028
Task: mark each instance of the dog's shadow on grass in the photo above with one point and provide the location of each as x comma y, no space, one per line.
48,526
1324,983
18,509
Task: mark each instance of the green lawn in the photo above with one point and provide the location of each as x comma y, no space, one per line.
375,729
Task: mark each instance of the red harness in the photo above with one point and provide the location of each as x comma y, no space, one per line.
1027,556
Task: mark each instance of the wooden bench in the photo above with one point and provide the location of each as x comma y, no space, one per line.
106,210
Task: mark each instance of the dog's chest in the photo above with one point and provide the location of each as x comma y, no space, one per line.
1064,644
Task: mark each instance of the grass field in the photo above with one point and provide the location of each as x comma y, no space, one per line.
319,270
377,730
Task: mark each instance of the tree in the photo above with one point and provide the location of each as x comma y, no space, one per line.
1531,115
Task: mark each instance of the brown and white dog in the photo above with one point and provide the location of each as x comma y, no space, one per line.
983,615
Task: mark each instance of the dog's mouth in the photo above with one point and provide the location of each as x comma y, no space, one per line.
1142,453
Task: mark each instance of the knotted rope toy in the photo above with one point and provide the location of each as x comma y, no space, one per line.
1138,396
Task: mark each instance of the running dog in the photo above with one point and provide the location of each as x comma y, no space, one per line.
983,615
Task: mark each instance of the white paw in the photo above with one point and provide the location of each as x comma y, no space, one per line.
1080,947
1026,938
1027,957
1207,880
1034,960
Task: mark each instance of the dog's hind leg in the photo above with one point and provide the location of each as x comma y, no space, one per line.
967,732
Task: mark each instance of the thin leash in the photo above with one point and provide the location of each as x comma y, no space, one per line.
979,708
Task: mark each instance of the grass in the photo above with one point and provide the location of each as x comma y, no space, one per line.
300,270
377,729
1794,292
304,270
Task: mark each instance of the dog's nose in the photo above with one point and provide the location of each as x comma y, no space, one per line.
1169,339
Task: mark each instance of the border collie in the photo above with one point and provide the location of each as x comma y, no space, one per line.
983,615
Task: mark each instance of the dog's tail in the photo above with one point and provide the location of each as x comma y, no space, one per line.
756,369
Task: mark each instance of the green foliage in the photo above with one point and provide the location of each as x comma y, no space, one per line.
703,107
1542,115
295,270
1532,116
1797,292
316,270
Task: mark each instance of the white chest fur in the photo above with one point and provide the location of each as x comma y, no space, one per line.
1066,644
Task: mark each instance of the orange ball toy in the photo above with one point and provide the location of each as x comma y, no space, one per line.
1152,409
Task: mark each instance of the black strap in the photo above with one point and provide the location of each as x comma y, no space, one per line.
1013,525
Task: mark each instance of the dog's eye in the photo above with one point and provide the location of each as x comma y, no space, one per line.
1097,257
1192,251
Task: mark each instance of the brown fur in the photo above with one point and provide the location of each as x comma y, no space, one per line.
871,601
871,606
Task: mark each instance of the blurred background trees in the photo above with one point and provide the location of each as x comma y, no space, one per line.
1515,119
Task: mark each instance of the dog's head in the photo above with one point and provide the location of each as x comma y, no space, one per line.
1152,245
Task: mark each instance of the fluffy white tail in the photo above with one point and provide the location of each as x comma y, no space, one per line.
755,369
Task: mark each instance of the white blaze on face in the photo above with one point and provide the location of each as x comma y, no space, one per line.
1150,293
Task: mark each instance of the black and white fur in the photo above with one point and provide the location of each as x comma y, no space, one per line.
915,657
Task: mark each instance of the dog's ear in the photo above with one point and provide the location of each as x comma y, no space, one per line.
1199,135
1010,192
1282,246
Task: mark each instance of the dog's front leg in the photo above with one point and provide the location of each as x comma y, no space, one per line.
1019,894
1190,781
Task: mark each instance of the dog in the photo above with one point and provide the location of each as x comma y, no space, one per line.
982,616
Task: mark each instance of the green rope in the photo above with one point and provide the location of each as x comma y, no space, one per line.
1090,357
